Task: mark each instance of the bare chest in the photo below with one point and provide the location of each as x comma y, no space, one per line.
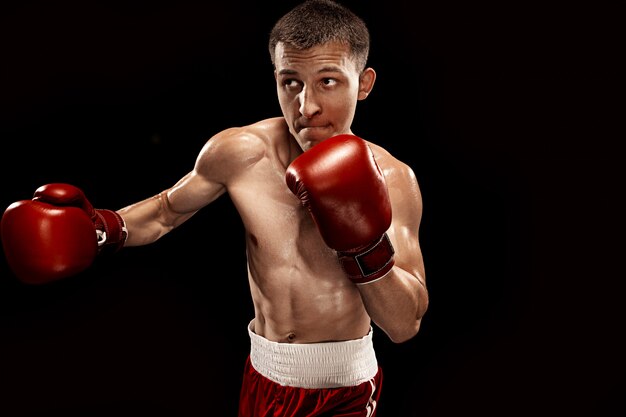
280,232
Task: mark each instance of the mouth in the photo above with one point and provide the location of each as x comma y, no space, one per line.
301,128
313,133
306,124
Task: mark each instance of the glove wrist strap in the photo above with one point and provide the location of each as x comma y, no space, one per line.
111,230
370,264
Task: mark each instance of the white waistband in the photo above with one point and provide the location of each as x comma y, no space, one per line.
314,365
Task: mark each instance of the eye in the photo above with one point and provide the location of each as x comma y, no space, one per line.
329,82
291,84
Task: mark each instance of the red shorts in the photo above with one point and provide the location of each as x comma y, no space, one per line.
323,379
261,397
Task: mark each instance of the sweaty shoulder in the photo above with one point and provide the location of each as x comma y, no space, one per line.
393,168
235,149
404,190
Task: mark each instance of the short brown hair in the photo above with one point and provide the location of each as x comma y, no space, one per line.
316,22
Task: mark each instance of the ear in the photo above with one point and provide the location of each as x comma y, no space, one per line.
366,82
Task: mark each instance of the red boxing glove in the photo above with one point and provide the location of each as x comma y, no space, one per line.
341,185
57,234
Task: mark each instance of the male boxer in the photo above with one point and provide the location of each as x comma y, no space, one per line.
331,224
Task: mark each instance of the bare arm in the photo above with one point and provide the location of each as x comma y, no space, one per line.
152,218
398,301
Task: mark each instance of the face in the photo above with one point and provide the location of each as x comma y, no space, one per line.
318,90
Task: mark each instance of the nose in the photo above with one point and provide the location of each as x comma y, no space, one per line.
309,105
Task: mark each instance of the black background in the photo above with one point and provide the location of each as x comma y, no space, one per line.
501,109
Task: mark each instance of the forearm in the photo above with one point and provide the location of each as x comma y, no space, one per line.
150,219
396,303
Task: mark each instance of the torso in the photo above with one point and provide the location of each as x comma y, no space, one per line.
299,290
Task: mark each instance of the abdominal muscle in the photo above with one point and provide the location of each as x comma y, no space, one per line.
305,300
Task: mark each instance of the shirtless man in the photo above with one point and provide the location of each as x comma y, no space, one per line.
331,225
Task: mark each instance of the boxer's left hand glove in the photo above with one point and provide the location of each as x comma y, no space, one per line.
343,188
57,234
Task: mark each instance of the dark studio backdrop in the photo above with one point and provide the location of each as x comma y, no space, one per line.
484,100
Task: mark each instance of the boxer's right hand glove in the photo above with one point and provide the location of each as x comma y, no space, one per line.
57,234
